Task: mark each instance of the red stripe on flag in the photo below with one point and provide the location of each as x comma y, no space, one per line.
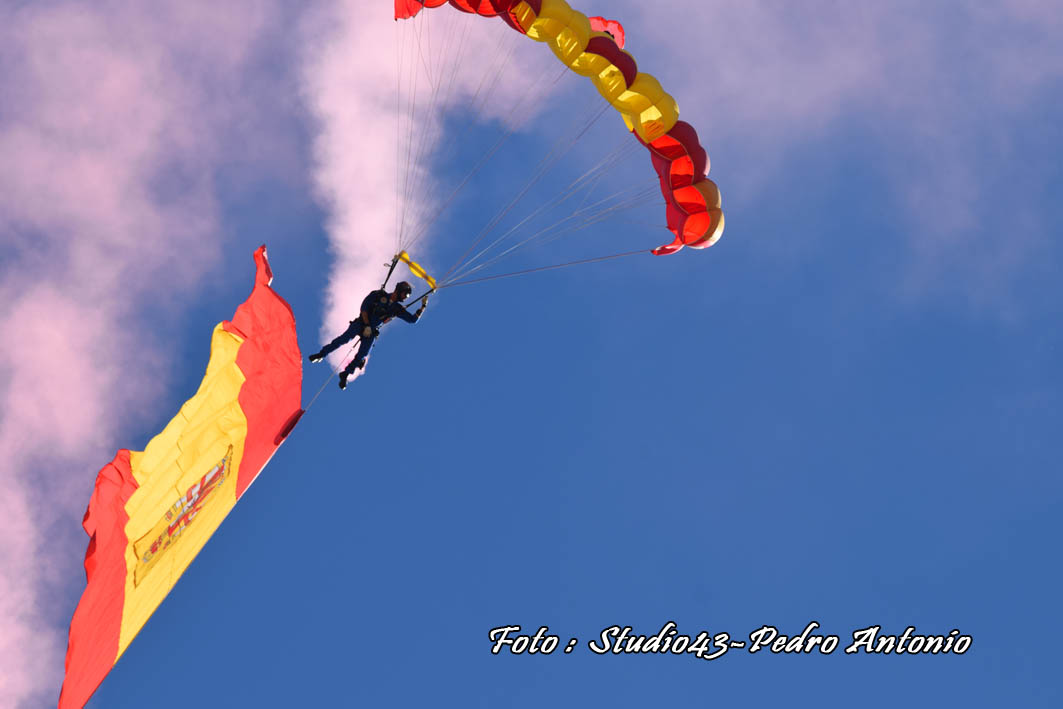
273,368
94,630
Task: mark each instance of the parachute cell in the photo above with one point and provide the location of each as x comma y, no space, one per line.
152,511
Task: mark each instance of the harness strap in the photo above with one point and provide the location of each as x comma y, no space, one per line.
394,263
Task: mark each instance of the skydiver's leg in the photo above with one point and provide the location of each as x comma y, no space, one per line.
344,337
359,358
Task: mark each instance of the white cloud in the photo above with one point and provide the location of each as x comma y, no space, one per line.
110,129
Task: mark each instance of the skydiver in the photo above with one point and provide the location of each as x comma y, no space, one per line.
378,308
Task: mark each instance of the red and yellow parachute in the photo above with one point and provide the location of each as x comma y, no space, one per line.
593,47
153,510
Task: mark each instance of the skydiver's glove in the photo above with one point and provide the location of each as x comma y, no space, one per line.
368,331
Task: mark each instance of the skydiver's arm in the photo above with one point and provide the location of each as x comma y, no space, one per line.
365,317
416,316
401,312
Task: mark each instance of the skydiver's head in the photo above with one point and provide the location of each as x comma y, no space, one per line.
402,291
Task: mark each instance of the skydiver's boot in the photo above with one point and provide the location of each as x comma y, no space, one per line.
343,380
316,357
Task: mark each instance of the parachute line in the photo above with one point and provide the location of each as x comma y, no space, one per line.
332,372
434,125
591,215
484,159
580,183
543,268
544,166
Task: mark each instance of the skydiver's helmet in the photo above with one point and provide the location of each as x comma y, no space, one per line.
403,290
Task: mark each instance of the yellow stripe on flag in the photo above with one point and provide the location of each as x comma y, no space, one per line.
187,478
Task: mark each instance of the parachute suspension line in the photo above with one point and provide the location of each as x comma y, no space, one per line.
598,217
400,57
435,85
422,32
624,149
647,225
551,158
441,97
590,178
590,215
590,190
496,71
427,223
328,378
594,217
545,164
422,36
410,116
599,172
470,281
423,204
588,181
332,372
481,162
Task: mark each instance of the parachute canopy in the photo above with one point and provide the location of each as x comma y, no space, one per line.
153,510
593,47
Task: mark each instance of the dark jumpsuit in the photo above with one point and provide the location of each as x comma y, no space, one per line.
380,308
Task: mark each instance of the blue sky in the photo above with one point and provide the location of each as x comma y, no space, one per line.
847,411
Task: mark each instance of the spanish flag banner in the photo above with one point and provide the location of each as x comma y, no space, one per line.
153,510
